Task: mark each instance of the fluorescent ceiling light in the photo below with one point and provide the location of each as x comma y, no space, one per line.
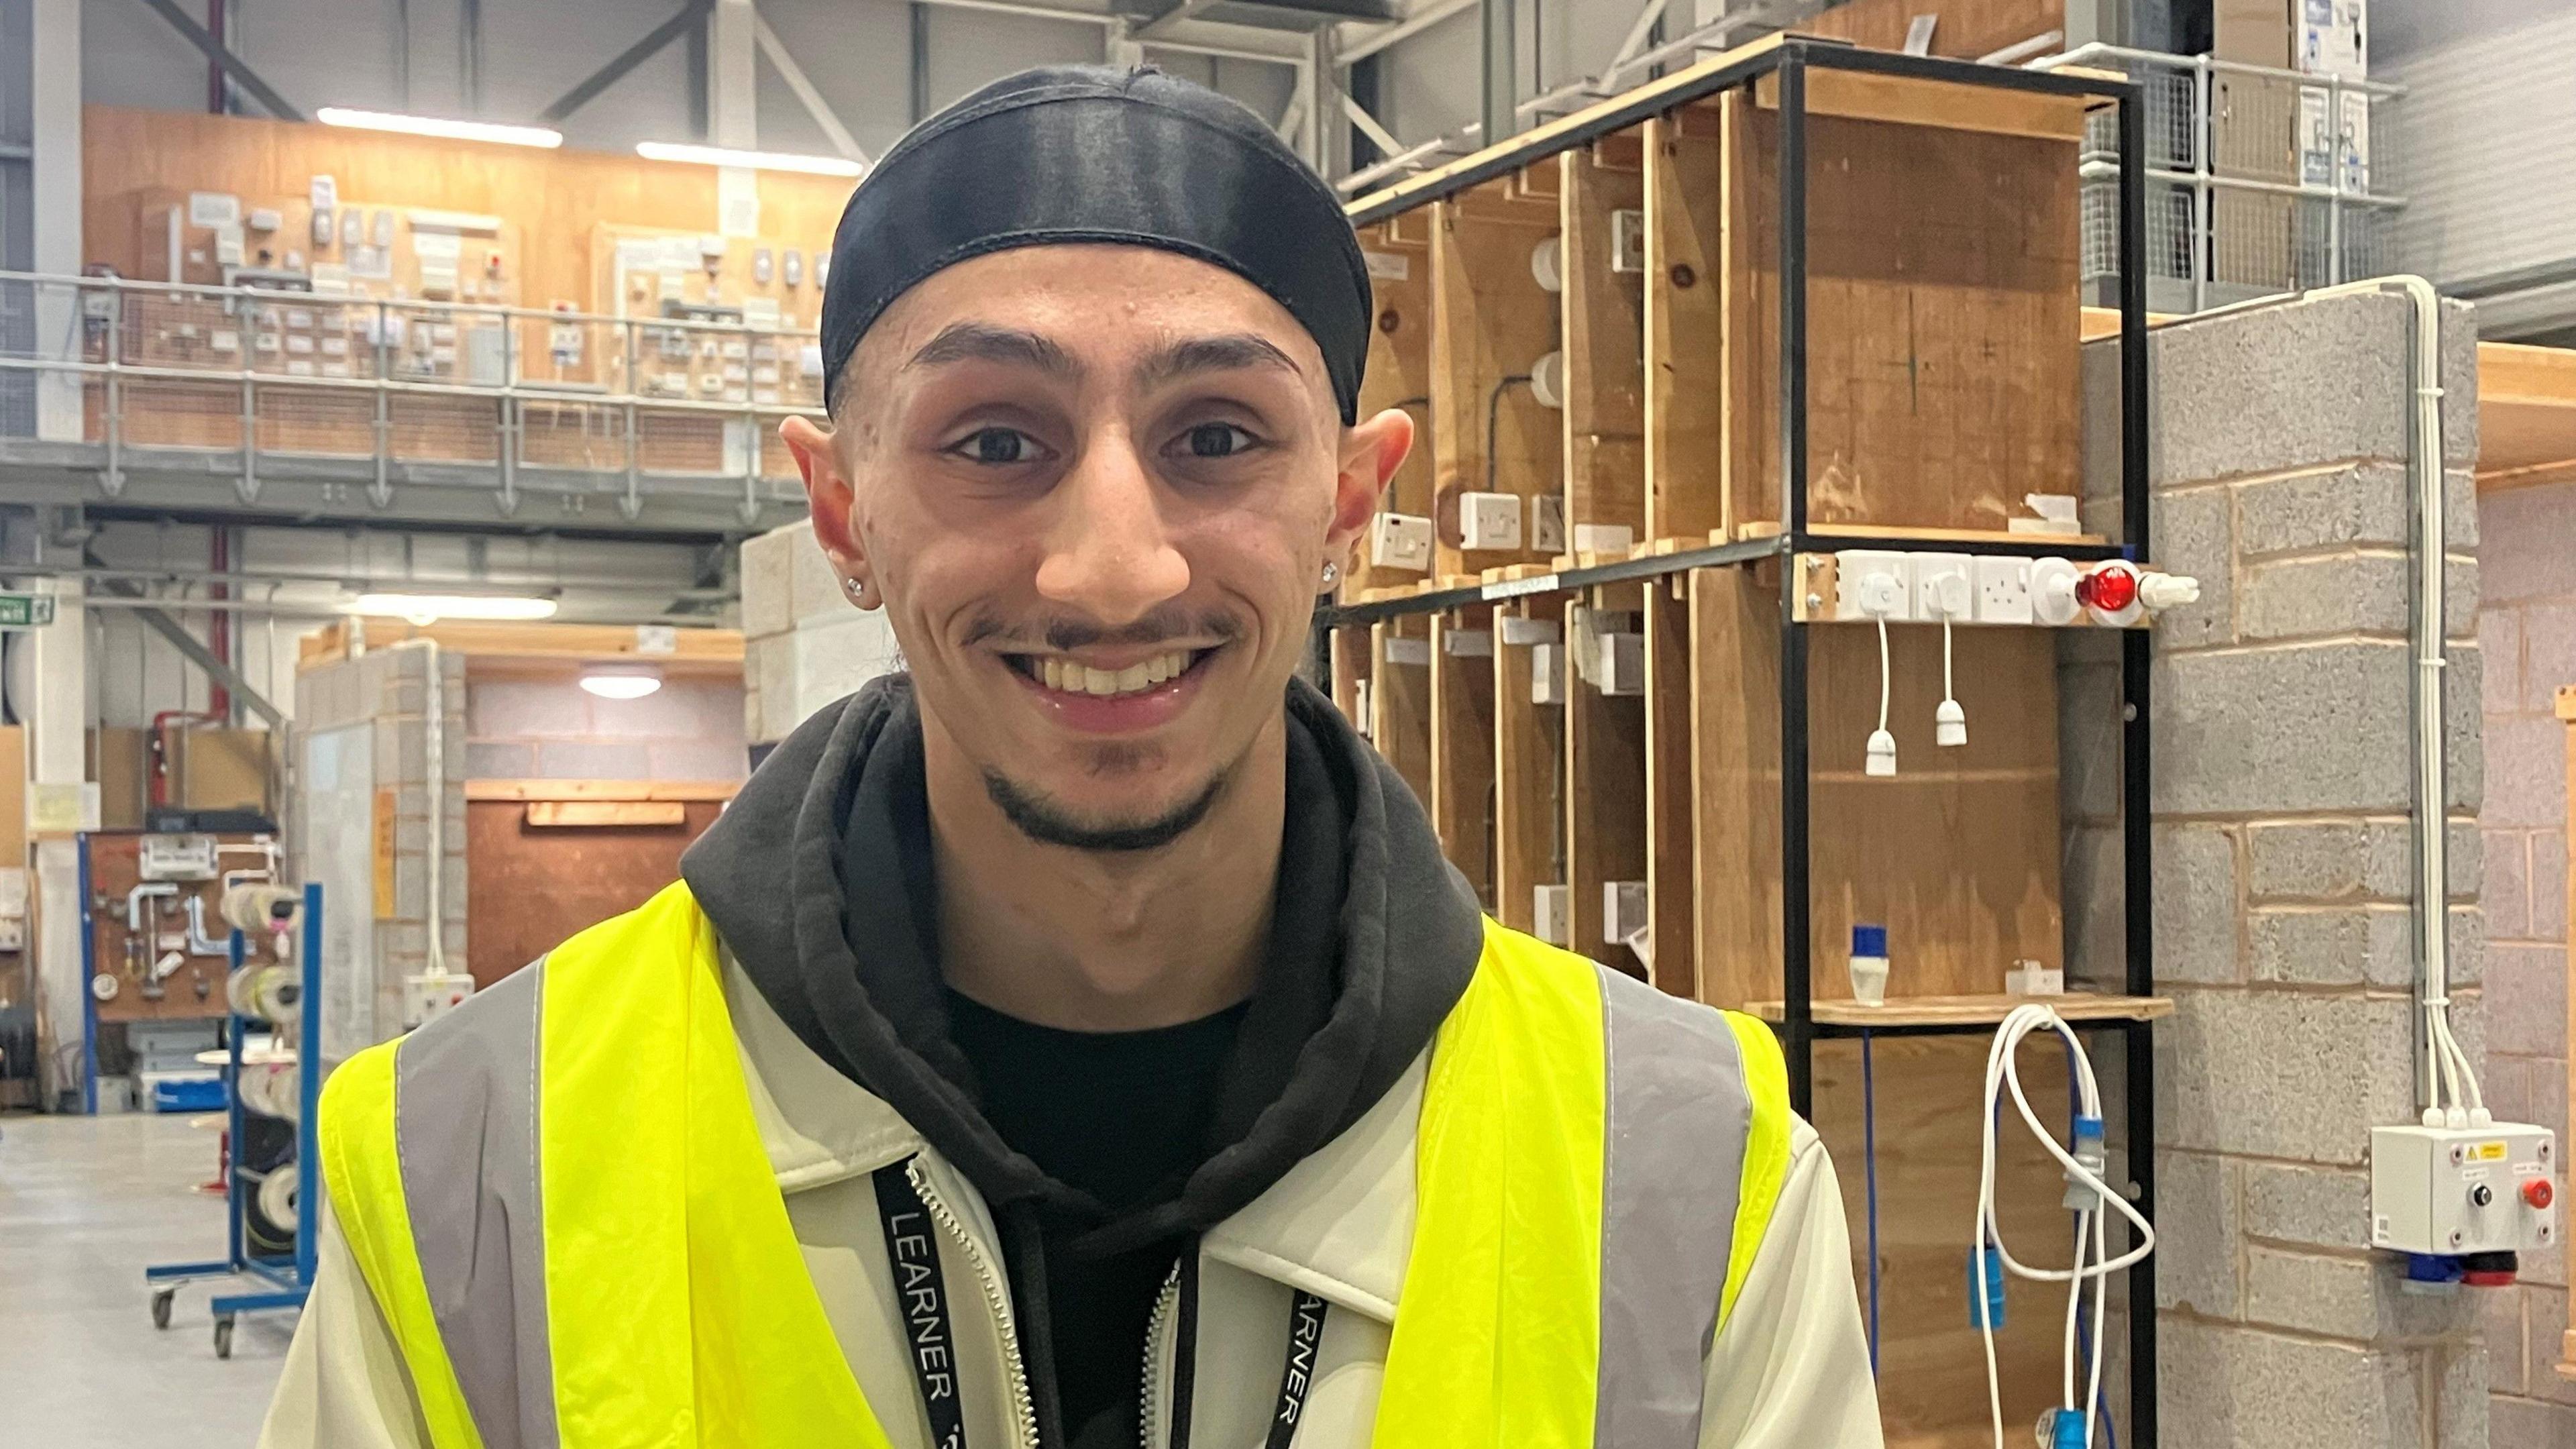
440,126
618,681
757,160
425,609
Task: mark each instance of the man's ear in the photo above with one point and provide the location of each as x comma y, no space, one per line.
1371,452
829,499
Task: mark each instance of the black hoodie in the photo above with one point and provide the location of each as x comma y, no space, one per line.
819,879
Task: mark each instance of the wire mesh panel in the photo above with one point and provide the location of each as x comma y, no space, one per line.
2259,180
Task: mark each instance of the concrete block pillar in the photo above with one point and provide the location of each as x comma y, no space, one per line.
804,644
2282,785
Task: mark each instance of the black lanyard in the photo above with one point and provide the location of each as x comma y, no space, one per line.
912,1248
921,1292
1305,1336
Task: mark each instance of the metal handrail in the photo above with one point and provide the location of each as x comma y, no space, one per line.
2095,50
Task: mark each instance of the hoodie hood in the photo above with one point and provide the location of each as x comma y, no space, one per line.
819,879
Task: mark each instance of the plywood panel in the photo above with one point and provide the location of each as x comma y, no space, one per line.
1942,318
1603,345
1490,324
591,875
1352,661
13,796
1462,745
1605,796
1957,916
1965,30
194,987
1529,764
1400,699
1684,324
1930,1380
554,197
1399,375
1669,791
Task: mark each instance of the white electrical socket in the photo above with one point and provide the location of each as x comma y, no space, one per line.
1944,587
1547,523
1400,541
1871,584
1547,675
1621,666
1623,910
1489,522
2003,590
1552,913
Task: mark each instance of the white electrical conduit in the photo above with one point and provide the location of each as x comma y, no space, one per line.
434,746
2092,1234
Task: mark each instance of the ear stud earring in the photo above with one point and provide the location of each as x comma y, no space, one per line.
1332,574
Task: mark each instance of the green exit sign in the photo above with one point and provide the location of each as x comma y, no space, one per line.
25,611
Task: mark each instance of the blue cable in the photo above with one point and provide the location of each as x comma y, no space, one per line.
1869,1173
2083,1320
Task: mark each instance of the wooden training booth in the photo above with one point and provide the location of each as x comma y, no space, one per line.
1566,627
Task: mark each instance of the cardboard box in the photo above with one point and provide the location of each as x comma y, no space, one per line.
219,769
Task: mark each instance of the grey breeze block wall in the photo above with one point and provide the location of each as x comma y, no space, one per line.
2527,634
388,690
2282,782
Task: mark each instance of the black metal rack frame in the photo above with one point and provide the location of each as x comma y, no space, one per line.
1790,59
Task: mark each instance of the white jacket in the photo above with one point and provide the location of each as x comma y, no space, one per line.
1789,1369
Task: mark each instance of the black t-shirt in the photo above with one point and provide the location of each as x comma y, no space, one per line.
1123,1116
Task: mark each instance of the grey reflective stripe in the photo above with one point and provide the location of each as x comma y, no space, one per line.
465,1132
1672,1164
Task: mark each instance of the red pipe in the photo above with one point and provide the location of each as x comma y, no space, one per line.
219,627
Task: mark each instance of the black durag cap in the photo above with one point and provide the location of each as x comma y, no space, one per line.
1086,153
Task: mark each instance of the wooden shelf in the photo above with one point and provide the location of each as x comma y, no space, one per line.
1974,1010
2035,542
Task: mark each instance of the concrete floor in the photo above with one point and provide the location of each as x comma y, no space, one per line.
85,1204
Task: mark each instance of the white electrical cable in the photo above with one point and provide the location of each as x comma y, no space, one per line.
1882,671
2003,1072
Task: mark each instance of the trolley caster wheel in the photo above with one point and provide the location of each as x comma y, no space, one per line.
161,1307
224,1337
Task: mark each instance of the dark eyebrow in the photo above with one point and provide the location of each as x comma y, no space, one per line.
981,342
1227,352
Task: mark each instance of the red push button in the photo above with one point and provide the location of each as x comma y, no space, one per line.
2539,1192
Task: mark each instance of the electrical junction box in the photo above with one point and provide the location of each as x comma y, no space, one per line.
1467,643
1489,521
1547,523
1623,910
1552,913
1400,541
1870,584
2455,1190
1621,666
176,857
1627,242
1547,676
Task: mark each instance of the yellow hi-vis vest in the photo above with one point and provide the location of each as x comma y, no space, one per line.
559,1199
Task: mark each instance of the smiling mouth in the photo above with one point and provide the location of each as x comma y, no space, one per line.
1072,676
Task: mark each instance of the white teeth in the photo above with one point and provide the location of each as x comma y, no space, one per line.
1076,677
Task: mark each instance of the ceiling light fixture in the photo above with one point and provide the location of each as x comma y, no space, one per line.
427,609
621,681
756,160
440,127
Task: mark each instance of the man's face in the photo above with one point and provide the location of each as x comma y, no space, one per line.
1095,487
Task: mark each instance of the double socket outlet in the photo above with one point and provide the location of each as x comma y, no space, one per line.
1927,588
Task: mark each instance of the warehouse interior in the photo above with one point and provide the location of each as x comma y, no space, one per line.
1921,510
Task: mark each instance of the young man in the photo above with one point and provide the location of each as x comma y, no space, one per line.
1080,1041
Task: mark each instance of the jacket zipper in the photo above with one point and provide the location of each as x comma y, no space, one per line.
994,1298
1154,1326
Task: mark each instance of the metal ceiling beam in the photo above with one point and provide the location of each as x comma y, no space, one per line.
1181,11
1403,30
582,94
232,65
1369,127
815,106
160,622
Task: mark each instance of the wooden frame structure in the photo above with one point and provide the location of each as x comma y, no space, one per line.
1798,299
